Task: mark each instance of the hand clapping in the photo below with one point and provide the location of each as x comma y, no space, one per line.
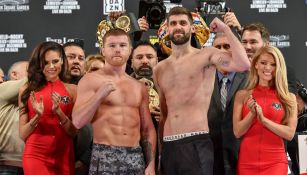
37,105
260,116
56,99
251,103
255,108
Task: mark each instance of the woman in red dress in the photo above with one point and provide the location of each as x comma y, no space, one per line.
45,114
265,114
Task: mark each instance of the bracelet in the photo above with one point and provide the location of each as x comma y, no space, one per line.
64,122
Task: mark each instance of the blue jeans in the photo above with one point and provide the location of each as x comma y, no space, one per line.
10,170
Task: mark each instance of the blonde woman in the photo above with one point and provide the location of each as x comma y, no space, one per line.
94,62
265,114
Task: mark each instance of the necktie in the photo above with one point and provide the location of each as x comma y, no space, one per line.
223,92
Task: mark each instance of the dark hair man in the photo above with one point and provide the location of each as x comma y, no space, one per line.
185,83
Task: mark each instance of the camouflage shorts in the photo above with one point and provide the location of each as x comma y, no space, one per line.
116,160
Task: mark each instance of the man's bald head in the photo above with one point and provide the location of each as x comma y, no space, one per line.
18,70
1,76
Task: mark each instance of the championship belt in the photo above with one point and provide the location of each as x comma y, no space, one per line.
123,22
153,95
102,28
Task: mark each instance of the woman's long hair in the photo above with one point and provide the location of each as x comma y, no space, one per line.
36,77
279,81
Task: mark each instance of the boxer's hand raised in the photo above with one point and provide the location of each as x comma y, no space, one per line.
218,26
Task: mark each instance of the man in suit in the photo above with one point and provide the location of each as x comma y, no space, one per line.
75,53
226,146
143,59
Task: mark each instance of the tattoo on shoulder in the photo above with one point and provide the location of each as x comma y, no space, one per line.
147,149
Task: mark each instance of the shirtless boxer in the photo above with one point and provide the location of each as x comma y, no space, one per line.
185,82
117,106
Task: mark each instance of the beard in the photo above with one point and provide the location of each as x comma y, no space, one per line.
144,71
180,40
74,79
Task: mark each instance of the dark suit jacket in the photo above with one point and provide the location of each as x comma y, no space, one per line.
226,146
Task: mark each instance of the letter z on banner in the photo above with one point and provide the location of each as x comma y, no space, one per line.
113,5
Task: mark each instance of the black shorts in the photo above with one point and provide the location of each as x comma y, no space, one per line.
116,160
188,156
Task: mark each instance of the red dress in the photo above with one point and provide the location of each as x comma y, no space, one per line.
261,151
49,149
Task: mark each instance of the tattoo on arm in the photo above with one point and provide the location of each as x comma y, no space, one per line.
146,145
147,149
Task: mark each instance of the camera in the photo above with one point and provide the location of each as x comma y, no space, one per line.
301,91
154,11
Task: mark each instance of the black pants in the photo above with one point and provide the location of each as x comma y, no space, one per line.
10,170
188,156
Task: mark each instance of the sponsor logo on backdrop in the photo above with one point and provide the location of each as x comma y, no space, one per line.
62,40
14,5
62,6
12,42
280,41
170,5
113,5
268,6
